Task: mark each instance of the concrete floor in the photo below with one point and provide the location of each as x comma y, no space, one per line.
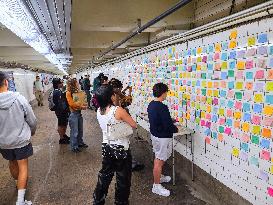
58,176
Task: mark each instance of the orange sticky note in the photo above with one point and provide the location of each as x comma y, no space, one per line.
266,133
208,108
269,74
199,50
210,84
237,115
268,110
218,47
233,34
237,124
249,85
216,84
245,127
215,93
209,92
198,67
232,44
220,137
241,65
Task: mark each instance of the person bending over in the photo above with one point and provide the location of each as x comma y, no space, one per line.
116,153
17,125
162,129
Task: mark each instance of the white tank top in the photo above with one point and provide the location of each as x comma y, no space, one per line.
104,120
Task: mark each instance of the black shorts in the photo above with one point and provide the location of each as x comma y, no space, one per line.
17,153
62,119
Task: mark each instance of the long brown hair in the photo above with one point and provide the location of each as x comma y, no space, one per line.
72,86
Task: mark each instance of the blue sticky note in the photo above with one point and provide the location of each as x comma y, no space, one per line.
231,85
249,75
193,51
270,63
262,50
214,118
241,53
189,52
229,122
189,83
204,49
224,75
232,55
210,57
247,117
198,83
193,67
215,110
207,132
265,143
271,50
257,108
224,45
246,107
223,93
214,135
269,99
232,65
222,102
230,104
211,48
224,56
262,38
210,66
244,146
198,113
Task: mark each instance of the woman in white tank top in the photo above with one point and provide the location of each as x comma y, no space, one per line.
116,153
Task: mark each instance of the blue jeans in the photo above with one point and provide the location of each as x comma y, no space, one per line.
76,129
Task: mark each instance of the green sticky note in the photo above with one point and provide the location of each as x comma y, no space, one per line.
256,129
224,65
231,73
269,86
203,75
221,129
238,95
197,106
209,101
203,107
193,83
197,120
255,139
204,91
184,102
254,161
221,111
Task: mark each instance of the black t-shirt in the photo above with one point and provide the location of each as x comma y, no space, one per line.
60,102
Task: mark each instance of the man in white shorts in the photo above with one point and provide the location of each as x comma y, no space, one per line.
162,129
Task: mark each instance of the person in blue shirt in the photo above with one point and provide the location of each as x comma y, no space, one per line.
162,129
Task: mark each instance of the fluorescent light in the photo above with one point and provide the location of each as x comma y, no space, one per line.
15,16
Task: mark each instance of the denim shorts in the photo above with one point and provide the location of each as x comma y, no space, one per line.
17,153
162,147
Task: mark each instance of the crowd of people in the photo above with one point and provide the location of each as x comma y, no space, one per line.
111,103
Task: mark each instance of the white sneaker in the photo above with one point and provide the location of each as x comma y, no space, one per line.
24,203
165,179
160,190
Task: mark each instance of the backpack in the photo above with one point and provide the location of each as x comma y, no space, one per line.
51,104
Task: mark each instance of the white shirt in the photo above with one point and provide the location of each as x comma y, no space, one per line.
38,86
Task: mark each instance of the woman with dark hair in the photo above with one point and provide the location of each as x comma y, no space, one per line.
162,129
75,117
116,153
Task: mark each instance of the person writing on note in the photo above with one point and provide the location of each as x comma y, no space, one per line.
162,129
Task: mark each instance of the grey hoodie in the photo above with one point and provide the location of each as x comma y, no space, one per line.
17,121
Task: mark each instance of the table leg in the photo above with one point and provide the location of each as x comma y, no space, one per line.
173,163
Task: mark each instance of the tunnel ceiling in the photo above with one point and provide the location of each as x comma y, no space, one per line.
78,32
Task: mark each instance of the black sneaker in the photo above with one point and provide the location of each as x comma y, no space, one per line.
66,137
138,167
64,141
83,145
76,150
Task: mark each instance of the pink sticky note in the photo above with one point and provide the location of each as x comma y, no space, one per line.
208,124
216,56
259,74
215,101
238,105
228,130
208,116
256,120
203,123
249,64
251,52
270,191
240,75
247,95
229,113
236,134
261,63
268,121
265,155
245,137
230,94
222,121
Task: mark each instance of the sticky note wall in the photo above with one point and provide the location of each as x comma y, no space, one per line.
221,86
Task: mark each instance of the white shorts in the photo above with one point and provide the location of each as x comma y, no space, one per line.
162,147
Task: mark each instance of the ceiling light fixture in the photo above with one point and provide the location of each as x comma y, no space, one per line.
15,16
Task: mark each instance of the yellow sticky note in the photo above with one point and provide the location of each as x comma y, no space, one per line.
268,110
245,127
208,108
218,47
221,111
199,59
258,98
271,169
204,84
241,65
239,85
209,92
198,67
235,152
269,86
210,84
237,115
224,65
233,34
232,44
203,114
251,41
256,129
